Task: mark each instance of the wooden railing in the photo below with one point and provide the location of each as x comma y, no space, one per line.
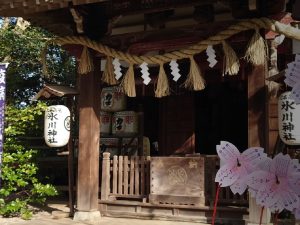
125,177
129,177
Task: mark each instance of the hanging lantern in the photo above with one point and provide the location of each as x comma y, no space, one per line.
57,126
288,119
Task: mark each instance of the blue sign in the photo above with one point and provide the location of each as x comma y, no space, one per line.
3,67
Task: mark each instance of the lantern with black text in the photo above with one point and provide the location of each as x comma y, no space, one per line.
288,119
57,125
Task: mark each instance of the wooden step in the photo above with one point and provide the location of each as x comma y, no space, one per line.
141,210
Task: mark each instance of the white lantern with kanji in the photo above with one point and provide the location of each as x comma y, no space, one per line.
288,119
57,125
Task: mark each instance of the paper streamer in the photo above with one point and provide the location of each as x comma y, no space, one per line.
211,54
175,70
145,73
117,68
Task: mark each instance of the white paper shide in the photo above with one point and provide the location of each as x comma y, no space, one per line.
117,68
211,56
175,70
57,126
145,73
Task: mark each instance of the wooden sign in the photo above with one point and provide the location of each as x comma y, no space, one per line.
177,180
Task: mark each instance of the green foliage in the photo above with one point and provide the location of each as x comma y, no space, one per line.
20,186
20,122
22,49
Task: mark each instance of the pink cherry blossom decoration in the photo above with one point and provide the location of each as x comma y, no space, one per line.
236,166
278,184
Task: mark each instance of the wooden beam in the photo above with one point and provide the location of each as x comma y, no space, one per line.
89,134
257,127
256,106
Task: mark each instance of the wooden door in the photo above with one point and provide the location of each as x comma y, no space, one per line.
177,125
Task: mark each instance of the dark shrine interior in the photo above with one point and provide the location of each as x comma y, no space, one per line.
189,122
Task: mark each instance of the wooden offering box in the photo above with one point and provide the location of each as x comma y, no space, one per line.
177,180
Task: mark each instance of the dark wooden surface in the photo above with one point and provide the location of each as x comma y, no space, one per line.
256,106
177,125
89,129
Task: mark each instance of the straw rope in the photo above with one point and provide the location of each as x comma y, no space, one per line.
262,23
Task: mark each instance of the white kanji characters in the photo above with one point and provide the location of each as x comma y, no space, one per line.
2,93
2,76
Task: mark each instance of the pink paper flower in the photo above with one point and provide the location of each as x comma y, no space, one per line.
277,184
236,166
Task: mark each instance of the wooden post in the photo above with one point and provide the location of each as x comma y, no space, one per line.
71,161
257,128
105,184
88,155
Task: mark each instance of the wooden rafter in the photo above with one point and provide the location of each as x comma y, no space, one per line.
19,7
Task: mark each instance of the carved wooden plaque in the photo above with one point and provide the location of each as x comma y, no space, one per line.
177,180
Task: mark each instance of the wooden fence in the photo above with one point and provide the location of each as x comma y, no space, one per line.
125,177
129,178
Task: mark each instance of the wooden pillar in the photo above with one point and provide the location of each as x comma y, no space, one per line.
105,184
88,148
257,128
71,160
256,107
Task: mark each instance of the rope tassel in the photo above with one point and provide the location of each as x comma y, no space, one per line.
232,63
86,63
108,74
162,88
257,50
128,82
194,80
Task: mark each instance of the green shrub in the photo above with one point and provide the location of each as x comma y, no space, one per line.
20,187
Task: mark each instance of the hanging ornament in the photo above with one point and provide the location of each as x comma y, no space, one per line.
57,125
211,54
145,73
117,68
288,118
175,70
128,82
162,87
257,50
232,63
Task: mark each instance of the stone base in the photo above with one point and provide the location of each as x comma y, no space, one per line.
87,217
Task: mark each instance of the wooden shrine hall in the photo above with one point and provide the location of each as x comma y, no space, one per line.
188,70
